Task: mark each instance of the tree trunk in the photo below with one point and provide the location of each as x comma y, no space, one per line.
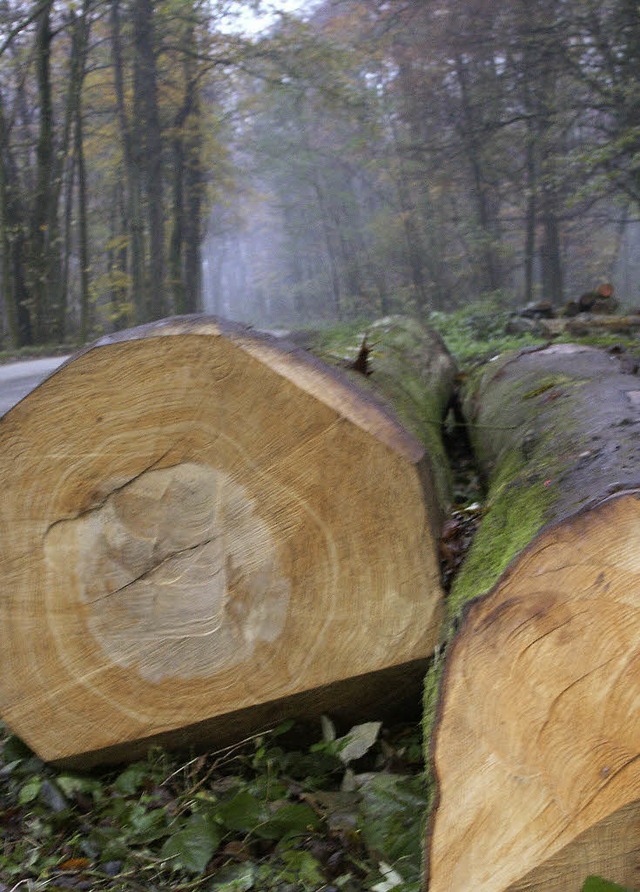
9,308
83,227
188,186
485,198
42,251
194,193
536,748
149,143
207,530
13,244
132,165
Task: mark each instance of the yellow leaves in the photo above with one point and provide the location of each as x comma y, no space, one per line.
117,243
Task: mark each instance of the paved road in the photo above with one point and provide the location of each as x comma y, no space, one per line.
17,379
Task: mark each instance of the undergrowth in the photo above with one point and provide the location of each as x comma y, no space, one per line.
342,815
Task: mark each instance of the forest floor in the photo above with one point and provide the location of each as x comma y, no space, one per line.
339,814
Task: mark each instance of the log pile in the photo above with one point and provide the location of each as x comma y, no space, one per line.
206,530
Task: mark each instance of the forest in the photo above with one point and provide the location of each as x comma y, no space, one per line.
323,589
364,158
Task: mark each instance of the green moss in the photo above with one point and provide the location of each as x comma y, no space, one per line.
431,692
604,340
341,340
516,510
529,452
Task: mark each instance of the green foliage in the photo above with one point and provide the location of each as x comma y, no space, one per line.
516,514
392,805
596,884
345,812
477,331
399,348
191,847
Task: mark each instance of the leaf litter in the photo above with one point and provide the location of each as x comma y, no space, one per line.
343,814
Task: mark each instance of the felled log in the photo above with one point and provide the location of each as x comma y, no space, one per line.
536,748
596,324
206,530
410,366
588,324
600,301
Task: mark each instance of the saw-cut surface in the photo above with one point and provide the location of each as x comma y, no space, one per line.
199,521
537,747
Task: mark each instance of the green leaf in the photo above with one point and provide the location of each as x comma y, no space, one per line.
597,884
192,847
147,826
242,813
358,741
266,789
390,819
108,842
70,784
132,778
283,728
235,878
301,867
30,791
293,818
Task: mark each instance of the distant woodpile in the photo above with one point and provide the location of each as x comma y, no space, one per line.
593,312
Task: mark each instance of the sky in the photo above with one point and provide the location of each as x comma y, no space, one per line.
250,23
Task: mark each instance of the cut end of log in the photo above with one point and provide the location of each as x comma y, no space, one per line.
179,573
537,749
201,522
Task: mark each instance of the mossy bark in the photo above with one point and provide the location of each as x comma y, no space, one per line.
555,431
410,367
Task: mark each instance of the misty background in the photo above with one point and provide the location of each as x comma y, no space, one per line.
293,163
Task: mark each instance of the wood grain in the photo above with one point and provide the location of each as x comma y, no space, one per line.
198,520
536,750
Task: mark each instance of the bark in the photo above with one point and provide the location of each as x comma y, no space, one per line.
42,251
14,244
61,308
80,27
260,544
531,158
331,251
530,223
484,197
149,146
83,227
186,236
536,748
177,231
550,252
195,190
132,165
9,311
590,324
